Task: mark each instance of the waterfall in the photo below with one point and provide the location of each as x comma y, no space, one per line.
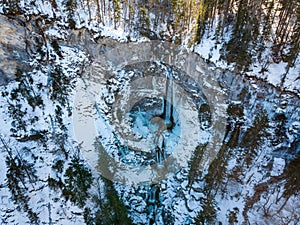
168,106
153,204
155,213
160,150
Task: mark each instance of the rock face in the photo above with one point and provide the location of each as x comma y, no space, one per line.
12,49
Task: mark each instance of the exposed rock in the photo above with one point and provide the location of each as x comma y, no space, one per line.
12,49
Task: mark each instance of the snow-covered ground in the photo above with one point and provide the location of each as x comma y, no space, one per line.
177,198
274,73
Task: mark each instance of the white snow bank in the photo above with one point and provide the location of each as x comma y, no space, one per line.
278,166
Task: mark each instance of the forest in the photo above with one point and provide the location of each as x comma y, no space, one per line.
249,48
247,28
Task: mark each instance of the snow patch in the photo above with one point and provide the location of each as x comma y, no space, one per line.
278,166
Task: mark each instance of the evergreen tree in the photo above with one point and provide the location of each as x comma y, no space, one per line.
78,179
291,174
208,213
254,136
117,12
19,173
71,6
280,128
114,211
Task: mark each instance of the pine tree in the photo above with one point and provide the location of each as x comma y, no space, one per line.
117,12
114,211
78,180
71,5
145,22
254,136
291,174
